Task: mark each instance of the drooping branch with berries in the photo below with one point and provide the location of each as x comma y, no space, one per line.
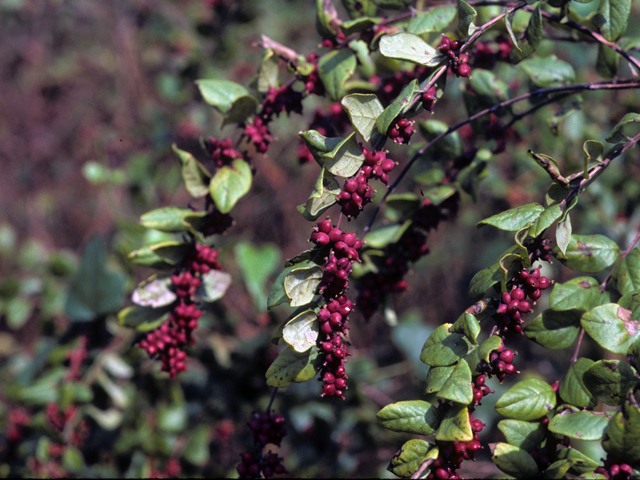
370,106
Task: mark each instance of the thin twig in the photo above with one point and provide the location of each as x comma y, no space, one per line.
423,467
575,354
273,397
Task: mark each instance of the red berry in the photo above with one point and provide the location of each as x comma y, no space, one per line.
464,70
341,383
543,283
517,294
473,446
335,235
329,390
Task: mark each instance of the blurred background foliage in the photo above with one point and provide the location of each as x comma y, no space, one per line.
93,93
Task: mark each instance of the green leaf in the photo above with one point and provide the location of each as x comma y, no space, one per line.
230,184
154,292
345,159
544,221
455,425
195,176
73,460
386,235
411,456
363,110
466,15
610,381
196,451
482,352
291,366
277,294
167,219
326,18
301,332
334,69
256,265
214,285
409,47
569,106
230,98
563,234
433,20
572,389
457,387
267,71
580,424
612,17
400,105
467,325
557,470
554,330
525,435
488,87
611,326
627,273
318,144
548,72
94,290
359,8
301,284
516,218
626,128
358,25
590,253
581,293
415,416
143,319
172,252
581,463
437,377
444,348
513,461
531,38
148,258
607,61
527,400
483,281
323,196
622,436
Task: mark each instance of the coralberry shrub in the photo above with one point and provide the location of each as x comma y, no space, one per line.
512,84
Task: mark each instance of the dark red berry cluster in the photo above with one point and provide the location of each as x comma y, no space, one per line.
500,364
59,418
172,469
267,428
480,388
278,100
428,99
334,42
268,465
17,422
615,469
215,223
540,249
400,130
452,454
459,62
526,289
76,356
259,134
221,151
333,316
487,53
312,82
168,342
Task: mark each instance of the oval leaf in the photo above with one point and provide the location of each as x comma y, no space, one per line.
363,110
554,330
579,293
590,253
416,417
291,366
411,456
154,292
527,400
301,332
513,461
610,381
230,184
301,284
214,285
516,218
409,47
576,423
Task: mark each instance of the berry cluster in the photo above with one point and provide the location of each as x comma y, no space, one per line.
500,364
172,469
17,422
540,249
487,53
333,316
76,356
312,82
333,42
394,265
459,62
400,130
169,340
614,469
428,99
258,133
452,454
514,304
267,428
59,419
221,151
215,223
278,100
